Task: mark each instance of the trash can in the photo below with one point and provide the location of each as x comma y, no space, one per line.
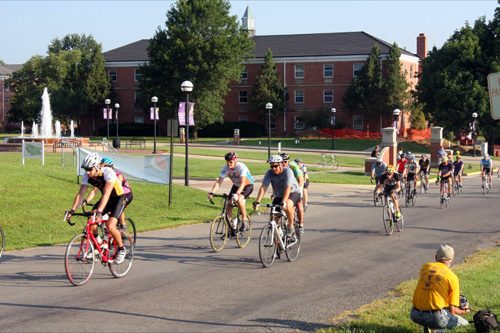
182,134
236,136
116,143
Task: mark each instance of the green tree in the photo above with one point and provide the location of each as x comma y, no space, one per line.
396,88
268,88
366,91
319,118
74,74
202,43
1,62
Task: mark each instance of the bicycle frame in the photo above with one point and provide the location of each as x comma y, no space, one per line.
225,205
275,213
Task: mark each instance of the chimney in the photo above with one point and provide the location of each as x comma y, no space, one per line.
422,46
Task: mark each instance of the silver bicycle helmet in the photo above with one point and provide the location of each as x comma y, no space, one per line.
275,159
91,161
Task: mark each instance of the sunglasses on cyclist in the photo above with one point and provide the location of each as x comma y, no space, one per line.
274,166
89,169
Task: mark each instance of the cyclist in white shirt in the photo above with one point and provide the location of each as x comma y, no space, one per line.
486,165
242,186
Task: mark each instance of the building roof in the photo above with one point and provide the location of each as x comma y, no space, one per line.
137,51
282,46
9,69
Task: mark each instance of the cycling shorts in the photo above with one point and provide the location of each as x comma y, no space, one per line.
306,184
410,177
445,179
456,173
487,170
424,171
294,196
247,190
389,189
116,205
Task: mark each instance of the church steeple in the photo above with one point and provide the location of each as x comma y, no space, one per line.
247,22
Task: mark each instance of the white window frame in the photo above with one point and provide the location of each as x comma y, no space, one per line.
356,124
327,96
110,76
243,99
298,122
356,68
139,119
137,75
325,71
300,71
244,73
295,96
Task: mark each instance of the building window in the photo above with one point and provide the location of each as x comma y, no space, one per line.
357,122
243,119
299,96
328,71
243,97
328,96
6,100
356,68
137,75
139,119
411,72
299,71
112,75
244,73
298,122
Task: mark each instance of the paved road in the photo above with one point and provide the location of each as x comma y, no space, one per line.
178,284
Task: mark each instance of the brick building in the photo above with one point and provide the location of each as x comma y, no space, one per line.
5,93
315,69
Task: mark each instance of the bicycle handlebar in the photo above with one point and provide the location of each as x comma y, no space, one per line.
224,195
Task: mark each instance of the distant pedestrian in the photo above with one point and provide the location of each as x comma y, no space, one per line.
375,151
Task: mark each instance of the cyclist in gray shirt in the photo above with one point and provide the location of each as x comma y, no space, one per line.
286,190
378,169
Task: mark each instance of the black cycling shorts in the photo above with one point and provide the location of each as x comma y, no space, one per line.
294,196
486,170
306,184
410,176
389,189
247,190
116,205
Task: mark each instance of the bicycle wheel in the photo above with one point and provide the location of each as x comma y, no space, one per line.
335,164
319,163
388,224
485,184
79,260
407,198
460,190
120,270
130,228
218,233
267,246
375,199
400,222
292,245
413,199
421,186
2,241
243,237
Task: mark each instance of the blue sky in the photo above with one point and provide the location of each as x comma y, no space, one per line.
28,27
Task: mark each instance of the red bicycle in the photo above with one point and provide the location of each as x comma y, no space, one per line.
84,251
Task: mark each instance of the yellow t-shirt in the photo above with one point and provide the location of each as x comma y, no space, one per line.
437,287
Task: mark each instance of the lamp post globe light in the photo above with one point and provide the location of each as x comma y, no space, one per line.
154,100
474,115
116,142
333,127
187,88
107,102
269,106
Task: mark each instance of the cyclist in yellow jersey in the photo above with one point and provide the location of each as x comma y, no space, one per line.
436,300
111,200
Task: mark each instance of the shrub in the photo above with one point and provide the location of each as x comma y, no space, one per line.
226,130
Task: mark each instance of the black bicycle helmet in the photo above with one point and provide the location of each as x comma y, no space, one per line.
231,156
285,156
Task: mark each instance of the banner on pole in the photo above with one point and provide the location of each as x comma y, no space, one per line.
182,114
148,168
153,114
107,113
33,150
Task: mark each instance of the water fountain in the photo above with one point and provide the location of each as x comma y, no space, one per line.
45,130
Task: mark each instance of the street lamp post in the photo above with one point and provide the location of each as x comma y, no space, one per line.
474,115
187,88
396,114
154,99
117,140
333,127
269,106
107,102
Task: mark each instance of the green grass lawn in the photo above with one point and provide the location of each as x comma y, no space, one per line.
478,281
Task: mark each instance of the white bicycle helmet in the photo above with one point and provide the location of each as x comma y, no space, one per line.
91,161
275,159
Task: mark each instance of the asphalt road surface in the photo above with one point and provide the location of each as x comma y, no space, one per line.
178,284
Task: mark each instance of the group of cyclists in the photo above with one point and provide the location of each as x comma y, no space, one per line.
289,180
